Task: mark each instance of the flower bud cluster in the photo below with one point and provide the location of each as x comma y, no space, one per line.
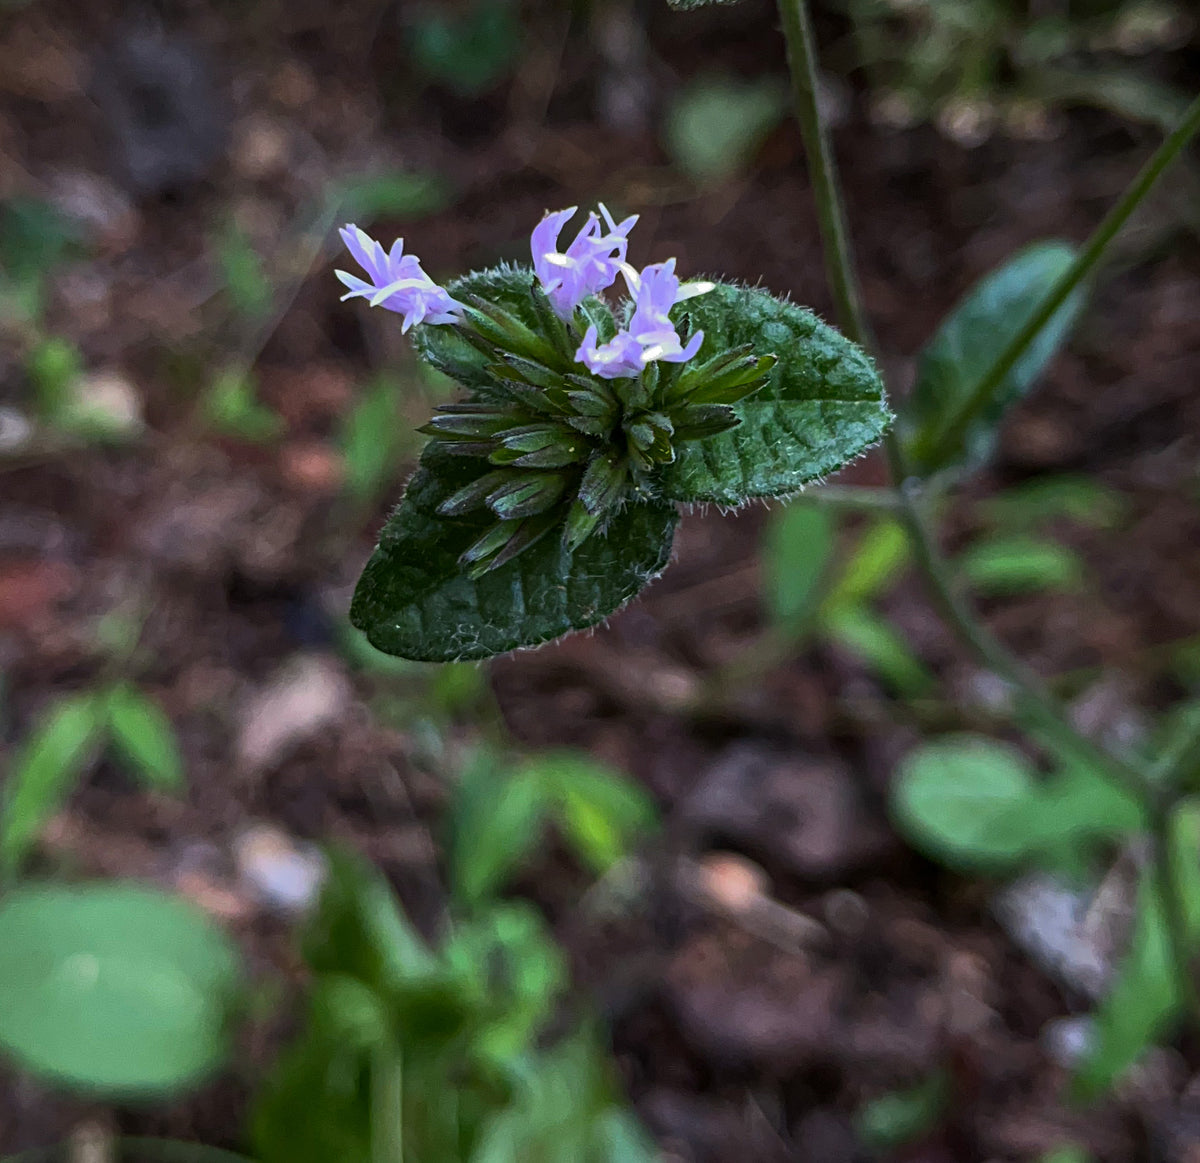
579,414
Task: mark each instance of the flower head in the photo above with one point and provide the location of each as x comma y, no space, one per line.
589,265
396,281
650,335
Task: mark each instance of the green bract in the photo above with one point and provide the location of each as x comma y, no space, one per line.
546,499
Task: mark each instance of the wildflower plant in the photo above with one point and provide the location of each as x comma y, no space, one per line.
548,496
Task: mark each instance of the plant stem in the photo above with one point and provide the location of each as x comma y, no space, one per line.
951,431
839,266
851,497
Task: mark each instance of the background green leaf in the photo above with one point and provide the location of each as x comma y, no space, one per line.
966,800
115,988
796,552
414,599
822,406
144,737
45,772
1000,566
967,344
495,824
715,125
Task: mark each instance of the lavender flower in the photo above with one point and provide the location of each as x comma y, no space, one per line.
650,335
397,282
588,266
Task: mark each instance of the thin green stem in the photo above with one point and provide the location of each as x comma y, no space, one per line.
951,430
839,266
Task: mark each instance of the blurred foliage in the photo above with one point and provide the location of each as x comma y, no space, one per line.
714,125
469,50
114,989
971,66
418,1052
893,1120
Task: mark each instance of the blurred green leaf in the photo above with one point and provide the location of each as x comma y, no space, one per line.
1037,502
359,931
1001,566
242,271
889,1122
1068,1153
1139,1006
880,554
45,771
600,812
509,950
496,820
406,195
468,50
799,543
145,738
371,440
967,344
455,687
967,801
232,407
34,238
315,1104
872,639
54,365
715,125
114,988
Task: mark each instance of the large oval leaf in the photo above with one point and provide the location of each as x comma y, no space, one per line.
822,406
970,340
414,599
114,988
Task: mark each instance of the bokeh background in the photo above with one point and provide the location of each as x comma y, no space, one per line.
199,442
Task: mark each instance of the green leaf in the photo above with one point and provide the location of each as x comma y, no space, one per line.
315,1104
1063,496
403,194
600,812
232,405
516,963
967,801
821,407
359,931
1002,566
242,271
470,49
44,774
715,125
872,639
495,823
967,344
371,440
887,1123
414,599
145,738
1141,1004
799,542
114,988
881,553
